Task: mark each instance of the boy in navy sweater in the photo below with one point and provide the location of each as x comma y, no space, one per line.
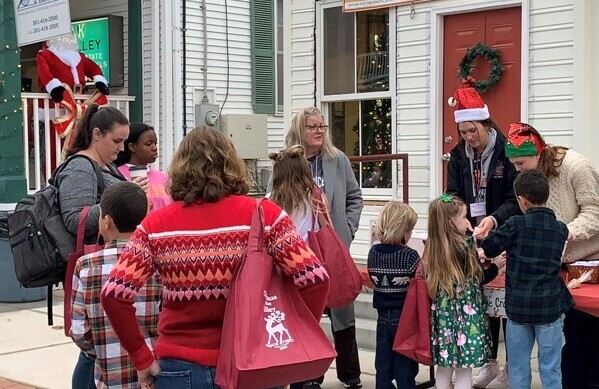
391,267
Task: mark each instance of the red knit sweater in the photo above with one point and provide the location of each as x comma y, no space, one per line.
196,249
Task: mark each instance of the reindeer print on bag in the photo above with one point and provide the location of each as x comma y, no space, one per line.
278,336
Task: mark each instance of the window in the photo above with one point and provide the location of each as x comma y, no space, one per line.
267,55
355,89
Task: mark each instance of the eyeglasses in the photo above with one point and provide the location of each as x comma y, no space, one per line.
315,127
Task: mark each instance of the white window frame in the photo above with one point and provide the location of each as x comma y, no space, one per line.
323,100
279,108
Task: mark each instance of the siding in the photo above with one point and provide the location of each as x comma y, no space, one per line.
87,10
551,59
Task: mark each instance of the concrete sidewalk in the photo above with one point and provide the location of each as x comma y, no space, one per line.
35,354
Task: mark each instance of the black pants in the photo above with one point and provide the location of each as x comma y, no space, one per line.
580,354
347,361
494,324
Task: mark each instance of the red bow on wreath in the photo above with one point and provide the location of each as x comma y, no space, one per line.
65,125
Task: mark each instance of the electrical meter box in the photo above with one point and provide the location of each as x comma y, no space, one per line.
248,134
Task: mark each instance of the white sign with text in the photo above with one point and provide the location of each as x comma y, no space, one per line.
496,298
40,20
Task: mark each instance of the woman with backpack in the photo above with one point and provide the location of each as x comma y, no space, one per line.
89,169
100,137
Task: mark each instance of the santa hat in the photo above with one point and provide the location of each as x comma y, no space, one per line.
470,106
523,141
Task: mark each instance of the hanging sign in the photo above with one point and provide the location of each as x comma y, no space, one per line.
365,5
40,20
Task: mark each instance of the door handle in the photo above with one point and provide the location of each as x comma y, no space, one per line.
448,139
446,157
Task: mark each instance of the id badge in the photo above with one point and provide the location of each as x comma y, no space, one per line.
478,209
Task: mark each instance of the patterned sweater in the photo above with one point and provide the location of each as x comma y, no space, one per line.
574,197
196,249
391,269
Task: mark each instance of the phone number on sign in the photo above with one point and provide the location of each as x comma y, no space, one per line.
52,18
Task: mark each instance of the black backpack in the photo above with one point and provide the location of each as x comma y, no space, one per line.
39,240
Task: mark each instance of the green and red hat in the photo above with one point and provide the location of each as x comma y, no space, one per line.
523,141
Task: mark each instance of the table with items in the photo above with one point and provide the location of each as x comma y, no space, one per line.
586,297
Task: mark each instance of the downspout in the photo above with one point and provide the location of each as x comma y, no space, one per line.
184,66
205,46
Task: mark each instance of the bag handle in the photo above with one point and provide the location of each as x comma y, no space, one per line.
81,229
321,211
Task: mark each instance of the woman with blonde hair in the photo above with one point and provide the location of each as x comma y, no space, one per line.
332,173
195,244
454,275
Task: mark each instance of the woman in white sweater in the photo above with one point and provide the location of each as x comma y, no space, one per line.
574,197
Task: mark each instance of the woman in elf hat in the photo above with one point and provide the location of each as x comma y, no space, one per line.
482,176
574,197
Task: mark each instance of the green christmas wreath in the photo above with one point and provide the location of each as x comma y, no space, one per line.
490,55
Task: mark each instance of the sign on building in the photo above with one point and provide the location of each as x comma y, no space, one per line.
40,20
365,5
101,40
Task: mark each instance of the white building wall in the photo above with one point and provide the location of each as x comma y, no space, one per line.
550,85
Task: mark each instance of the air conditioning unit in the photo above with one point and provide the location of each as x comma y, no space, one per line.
248,133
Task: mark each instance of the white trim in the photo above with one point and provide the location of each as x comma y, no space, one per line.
436,76
360,95
100,78
524,60
7,207
466,115
53,83
155,78
287,113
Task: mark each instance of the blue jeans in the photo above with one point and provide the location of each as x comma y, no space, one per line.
175,373
390,365
519,343
83,375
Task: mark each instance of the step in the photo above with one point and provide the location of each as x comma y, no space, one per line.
365,332
363,306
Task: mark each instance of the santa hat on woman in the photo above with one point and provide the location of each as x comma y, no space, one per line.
470,106
523,141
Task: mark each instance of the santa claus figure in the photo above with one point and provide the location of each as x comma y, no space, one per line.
60,62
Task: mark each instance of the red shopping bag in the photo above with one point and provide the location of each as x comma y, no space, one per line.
270,337
80,250
345,279
413,337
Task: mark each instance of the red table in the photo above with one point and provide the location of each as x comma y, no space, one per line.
586,297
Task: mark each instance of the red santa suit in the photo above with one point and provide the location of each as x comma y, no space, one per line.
59,63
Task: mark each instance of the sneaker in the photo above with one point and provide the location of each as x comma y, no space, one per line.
501,381
312,385
485,375
355,385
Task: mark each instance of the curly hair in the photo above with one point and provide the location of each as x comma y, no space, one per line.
206,168
297,132
292,182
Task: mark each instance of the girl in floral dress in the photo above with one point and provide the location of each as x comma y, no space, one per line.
459,326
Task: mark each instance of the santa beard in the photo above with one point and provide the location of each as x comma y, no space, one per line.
66,42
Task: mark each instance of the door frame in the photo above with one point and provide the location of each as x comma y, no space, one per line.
436,77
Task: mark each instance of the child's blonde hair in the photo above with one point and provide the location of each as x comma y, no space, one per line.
449,261
395,219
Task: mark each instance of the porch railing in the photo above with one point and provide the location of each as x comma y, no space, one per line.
373,67
41,153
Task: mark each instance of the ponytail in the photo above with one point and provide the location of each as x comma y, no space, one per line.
103,118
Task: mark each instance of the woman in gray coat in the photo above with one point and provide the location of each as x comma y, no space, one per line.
332,172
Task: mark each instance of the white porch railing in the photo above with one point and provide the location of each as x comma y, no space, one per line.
37,153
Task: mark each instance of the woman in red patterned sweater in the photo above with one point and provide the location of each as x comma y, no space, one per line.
195,244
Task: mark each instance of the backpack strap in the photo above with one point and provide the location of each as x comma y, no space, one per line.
96,167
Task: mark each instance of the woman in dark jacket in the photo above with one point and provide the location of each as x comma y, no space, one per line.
480,174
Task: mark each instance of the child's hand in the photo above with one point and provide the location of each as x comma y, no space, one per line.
481,254
499,261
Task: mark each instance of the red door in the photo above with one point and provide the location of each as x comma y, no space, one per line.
499,29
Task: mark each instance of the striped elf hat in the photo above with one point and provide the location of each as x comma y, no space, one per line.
523,141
